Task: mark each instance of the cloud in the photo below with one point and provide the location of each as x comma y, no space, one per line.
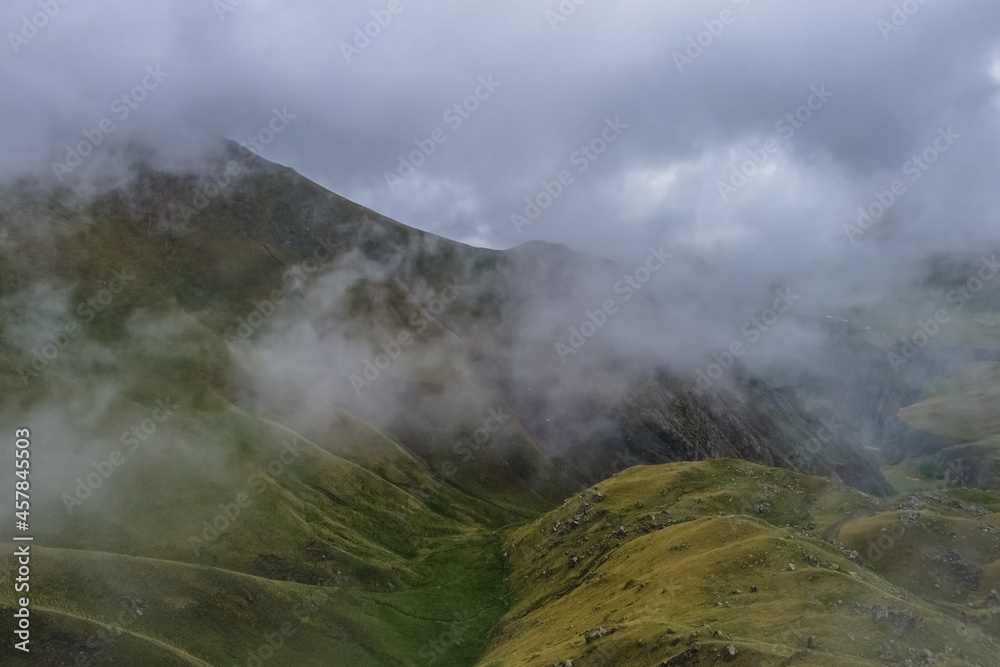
689,127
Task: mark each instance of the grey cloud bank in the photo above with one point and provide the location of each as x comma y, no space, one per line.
877,97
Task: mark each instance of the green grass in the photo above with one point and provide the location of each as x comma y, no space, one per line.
404,575
705,548
210,616
471,573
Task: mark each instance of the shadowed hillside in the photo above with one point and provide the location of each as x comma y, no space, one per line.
260,395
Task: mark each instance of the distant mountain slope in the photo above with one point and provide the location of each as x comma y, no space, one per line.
914,376
247,394
218,258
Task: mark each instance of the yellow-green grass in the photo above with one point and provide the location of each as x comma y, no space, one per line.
660,558
966,408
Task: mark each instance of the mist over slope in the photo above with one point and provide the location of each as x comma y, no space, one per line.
314,301
269,381
520,334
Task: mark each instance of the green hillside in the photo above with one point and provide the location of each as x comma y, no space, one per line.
728,562
280,412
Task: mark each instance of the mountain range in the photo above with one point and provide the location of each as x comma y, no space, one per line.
271,426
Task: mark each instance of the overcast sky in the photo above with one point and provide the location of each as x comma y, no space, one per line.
884,85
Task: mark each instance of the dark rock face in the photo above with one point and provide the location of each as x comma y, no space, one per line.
607,412
855,381
666,419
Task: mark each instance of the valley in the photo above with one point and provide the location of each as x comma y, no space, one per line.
329,434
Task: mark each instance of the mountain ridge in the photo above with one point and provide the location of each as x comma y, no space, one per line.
254,312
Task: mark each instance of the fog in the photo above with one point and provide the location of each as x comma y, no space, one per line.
742,141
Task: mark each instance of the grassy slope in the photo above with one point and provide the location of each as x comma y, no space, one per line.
211,616
345,511
965,408
964,404
668,557
403,572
